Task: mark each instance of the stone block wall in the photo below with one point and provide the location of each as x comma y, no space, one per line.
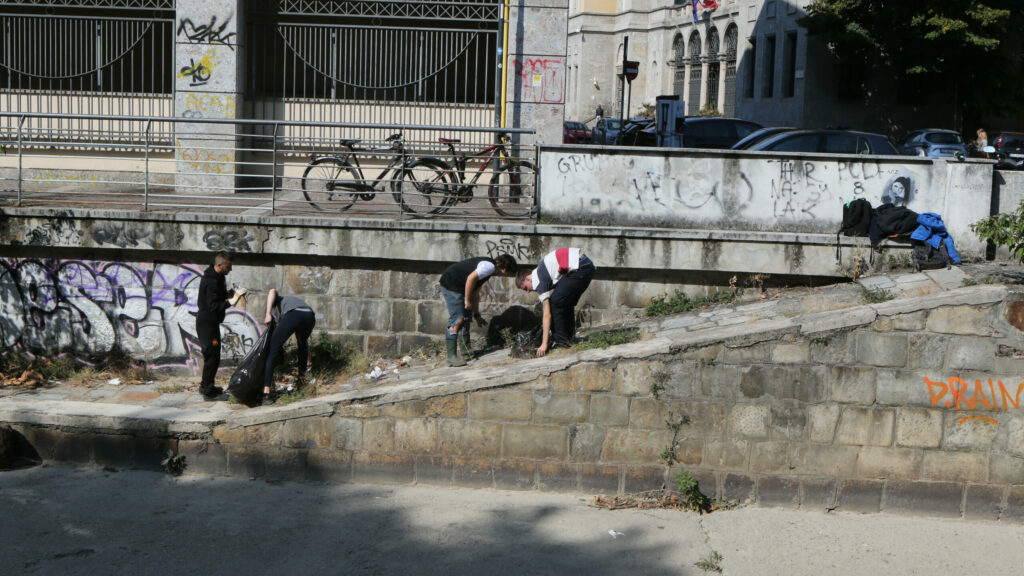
909,411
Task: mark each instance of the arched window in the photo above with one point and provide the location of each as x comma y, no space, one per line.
693,48
679,62
731,41
714,69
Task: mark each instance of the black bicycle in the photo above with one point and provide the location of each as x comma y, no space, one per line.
334,182
511,190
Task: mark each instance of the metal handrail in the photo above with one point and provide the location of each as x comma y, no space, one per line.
230,170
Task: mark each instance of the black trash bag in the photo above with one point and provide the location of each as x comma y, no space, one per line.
247,381
525,343
512,320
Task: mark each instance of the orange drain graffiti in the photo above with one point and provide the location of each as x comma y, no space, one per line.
959,395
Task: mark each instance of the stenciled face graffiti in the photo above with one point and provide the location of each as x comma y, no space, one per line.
898,190
87,308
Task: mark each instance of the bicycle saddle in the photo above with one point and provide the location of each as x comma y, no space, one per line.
349,143
449,140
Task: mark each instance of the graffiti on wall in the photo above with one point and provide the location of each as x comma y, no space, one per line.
86,308
796,189
200,105
209,33
204,160
959,395
510,246
541,79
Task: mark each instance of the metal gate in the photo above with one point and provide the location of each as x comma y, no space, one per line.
731,35
714,68
102,57
421,63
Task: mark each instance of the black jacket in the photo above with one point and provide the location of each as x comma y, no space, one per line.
213,297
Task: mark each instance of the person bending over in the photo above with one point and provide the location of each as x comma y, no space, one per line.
291,315
559,280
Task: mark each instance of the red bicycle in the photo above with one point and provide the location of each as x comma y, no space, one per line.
511,190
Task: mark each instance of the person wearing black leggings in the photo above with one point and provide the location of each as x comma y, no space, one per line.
291,315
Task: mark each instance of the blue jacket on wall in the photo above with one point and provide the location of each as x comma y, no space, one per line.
933,231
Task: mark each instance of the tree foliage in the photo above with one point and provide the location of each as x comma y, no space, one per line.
1004,229
937,42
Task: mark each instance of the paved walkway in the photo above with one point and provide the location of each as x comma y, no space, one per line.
176,398
91,521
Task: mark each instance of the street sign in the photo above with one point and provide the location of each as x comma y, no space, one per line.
631,68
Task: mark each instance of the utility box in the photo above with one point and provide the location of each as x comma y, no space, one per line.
670,120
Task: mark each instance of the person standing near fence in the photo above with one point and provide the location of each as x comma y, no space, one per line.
460,289
214,300
559,281
291,315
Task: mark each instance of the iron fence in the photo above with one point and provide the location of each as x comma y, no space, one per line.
66,64
249,167
402,62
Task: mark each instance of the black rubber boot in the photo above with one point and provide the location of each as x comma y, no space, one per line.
453,354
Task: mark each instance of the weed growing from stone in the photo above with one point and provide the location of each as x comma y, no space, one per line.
693,498
122,365
173,463
171,389
899,261
968,282
606,339
679,302
656,388
712,563
876,295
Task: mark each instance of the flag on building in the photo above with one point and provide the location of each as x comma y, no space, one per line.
705,4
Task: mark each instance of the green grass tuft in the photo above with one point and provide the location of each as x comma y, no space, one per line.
680,302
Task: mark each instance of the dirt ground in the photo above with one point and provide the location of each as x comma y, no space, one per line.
59,520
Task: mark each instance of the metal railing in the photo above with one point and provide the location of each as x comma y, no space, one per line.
248,167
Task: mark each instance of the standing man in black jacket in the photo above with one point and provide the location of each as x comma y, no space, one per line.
213,302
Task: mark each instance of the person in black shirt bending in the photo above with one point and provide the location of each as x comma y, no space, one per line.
460,288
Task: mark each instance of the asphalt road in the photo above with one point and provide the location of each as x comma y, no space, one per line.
69,521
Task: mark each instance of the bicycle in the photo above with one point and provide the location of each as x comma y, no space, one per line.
333,183
511,190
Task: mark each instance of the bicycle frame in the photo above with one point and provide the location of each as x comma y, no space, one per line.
365,186
495,153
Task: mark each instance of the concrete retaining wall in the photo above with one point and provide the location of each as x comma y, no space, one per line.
907,406
85,281
725,190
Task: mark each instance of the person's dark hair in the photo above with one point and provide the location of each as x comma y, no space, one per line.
522,276
223,257
506,263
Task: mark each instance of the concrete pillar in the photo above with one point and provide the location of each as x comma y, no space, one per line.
208,84
722,64
536,68
703,83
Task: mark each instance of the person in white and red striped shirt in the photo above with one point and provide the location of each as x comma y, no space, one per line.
559,281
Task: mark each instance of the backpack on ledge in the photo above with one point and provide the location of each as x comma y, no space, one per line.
856,220
927,257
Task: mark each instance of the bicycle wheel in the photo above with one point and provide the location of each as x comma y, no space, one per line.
330,184
513,190
423,187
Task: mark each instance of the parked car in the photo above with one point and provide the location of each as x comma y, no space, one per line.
828,141
575,133
1009,144
758,136
933,143
721,133
605,130
637,132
